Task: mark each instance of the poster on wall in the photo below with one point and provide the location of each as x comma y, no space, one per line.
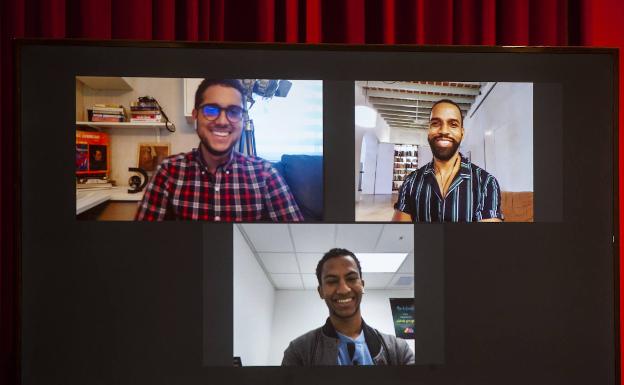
403,317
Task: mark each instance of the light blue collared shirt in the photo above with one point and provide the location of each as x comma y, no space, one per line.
361,356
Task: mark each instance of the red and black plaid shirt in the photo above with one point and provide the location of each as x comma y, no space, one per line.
243,189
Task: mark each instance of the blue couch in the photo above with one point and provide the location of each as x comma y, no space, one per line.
304,175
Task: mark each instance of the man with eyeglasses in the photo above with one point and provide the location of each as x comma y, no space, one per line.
345,339
214,182
450,188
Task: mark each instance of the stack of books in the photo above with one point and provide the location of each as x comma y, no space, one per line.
107,113
145,112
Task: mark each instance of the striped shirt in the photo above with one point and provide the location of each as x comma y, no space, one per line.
243,189
472,196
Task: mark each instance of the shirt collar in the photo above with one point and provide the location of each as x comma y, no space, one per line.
464,167
199,158
370,336
358,340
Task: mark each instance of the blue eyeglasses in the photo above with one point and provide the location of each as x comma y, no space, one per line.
234,114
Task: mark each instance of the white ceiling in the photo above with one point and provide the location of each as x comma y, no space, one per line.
407,105
289,253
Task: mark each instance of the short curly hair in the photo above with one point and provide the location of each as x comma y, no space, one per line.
449,101
233,83
333,253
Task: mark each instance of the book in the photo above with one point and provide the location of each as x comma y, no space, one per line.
134,120
144,112
144,108
148,117
106,118
113,110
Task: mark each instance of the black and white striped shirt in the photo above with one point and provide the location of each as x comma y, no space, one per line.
473,195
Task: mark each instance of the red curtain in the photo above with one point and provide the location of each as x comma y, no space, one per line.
475,22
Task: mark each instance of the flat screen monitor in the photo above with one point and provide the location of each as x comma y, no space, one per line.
400,155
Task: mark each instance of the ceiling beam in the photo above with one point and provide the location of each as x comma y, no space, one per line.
449,88
412,96
411,103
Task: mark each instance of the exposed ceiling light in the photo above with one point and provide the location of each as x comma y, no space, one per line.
380,262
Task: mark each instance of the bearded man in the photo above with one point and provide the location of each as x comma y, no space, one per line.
213,182
449,188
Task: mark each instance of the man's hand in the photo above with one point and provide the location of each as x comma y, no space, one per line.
400,216
491,220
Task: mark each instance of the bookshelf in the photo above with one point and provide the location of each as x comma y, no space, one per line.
405,162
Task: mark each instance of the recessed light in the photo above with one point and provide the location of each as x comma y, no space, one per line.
380,262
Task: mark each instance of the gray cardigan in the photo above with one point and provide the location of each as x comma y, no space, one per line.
320,347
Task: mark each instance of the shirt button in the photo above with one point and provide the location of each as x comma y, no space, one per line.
217,218
217,189
203,172
227,172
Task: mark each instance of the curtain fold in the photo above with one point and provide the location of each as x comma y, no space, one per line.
266,20
133,19
513,22
488,22
91,19
163,23
465,22
292,21
313,21
355,18
389,28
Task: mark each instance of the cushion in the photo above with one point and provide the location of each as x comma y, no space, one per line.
304,176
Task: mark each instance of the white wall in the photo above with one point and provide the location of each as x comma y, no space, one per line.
381,132
369,161
299,311
254,298
500,135
385,167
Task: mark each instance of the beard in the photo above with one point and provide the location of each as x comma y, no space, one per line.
213,151
443,153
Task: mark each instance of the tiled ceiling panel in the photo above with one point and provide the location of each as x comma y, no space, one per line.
308,262
280,262
272,244
279,241
358,238
313,238
396,238
377,280
287,281
408,265
309,281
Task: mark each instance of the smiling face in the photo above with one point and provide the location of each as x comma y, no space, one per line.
341,287
218,136
445,130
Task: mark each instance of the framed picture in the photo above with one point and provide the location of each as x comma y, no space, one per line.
150,155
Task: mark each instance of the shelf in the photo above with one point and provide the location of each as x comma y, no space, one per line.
121,124
86,199
105,83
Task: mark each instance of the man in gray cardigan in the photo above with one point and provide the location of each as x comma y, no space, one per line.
345,339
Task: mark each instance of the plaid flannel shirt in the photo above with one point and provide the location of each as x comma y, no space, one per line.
243,189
